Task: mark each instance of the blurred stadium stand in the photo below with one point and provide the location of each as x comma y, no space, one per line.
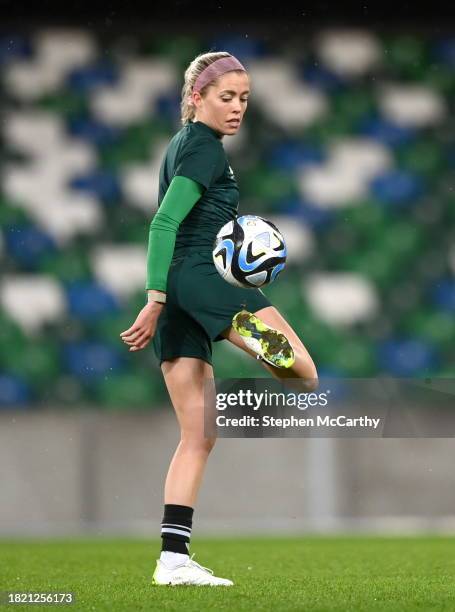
348,145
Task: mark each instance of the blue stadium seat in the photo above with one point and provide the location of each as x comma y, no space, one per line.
13,46
450,156
444,294
321,78
407,357
86,78
101,183
313,215
94,131
90,301
13,391
444,51
385,131
28,245
243,48
397,187
291,155
92,360
167,106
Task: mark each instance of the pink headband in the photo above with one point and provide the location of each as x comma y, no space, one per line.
216,69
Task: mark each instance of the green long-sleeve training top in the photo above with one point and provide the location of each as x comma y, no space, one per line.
198,194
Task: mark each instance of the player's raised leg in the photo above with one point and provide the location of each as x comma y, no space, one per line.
266,334
185,379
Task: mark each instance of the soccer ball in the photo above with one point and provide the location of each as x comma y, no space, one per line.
249,252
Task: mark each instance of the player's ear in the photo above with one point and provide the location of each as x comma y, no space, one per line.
195,99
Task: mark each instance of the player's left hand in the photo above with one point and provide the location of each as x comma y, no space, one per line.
143,329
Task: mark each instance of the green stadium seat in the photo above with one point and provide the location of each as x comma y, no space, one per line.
406,56
353,104
11,338
181,49
231,362
334,126
374,264
11,214
401,241
441,78
424,157
318,337
130,226
355,356
266,185
66,392
68,265
64,103
37,360
437,327
368,219
133,390
135,144
109,328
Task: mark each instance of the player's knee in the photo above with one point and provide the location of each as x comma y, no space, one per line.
198,445
207,444
312,384
305,369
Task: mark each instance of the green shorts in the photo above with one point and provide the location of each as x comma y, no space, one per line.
199,307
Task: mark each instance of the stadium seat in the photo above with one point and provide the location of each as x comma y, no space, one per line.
28,245
121,268
130,391
102,184
33,132
294,155
72,264
341,299
86,78
444,51
321,78
310,213
45,293
407,357
350,53
407,55
397,188
355,357
93,130
299,238
13,47
37,361
385,131
444,294
89,301
435,326
11,335
412,105
331,186
14,391
91,360
65,48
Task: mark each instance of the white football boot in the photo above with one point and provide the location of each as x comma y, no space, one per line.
189,573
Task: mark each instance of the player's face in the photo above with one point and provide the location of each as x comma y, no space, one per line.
224,104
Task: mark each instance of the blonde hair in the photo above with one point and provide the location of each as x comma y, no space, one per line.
199,64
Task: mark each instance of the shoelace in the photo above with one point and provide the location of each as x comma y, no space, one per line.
195,563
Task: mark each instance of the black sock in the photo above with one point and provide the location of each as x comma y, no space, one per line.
176,528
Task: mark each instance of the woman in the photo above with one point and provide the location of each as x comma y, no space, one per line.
190,305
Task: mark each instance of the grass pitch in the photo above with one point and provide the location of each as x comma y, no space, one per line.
308,574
